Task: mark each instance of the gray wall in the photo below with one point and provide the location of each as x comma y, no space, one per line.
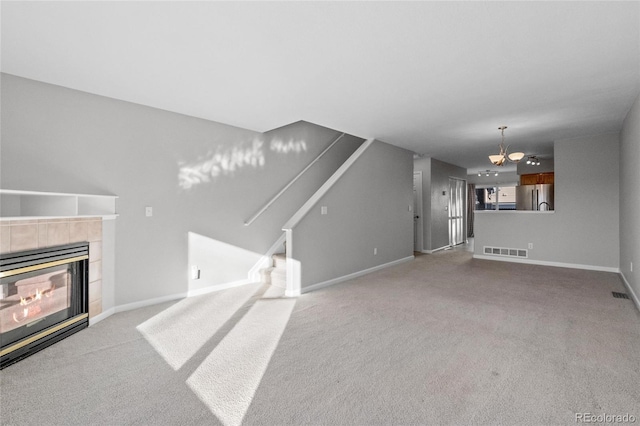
435,179
584,228
630,197
367,208
199,176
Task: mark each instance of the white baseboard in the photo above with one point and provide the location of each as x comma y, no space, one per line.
435,250
157,300
548,263
292,293
106,314
148,302
633,294
218,287
354,275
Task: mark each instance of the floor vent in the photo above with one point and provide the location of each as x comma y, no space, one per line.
620,295
509,252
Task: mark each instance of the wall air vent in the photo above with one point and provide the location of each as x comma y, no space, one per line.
506,252
620,295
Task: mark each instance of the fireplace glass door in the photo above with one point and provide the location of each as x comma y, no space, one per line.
35,300
42,294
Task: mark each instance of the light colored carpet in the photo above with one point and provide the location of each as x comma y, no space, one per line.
444,339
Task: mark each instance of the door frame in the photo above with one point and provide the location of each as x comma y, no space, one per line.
418,224
463,215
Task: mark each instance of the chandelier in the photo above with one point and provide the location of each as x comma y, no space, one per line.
499,159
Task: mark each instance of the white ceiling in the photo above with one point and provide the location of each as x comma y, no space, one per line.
437,78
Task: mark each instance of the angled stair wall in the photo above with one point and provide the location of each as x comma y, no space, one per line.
289,151
360,220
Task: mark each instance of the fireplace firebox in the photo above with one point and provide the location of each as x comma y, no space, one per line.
44,298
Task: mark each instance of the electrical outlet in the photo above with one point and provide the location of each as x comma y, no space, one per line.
530,246
375,251
323,210
195,272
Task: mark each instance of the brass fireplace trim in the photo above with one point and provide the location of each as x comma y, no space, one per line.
45,333
42,266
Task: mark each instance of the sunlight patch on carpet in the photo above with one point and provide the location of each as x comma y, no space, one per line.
228,378
178,332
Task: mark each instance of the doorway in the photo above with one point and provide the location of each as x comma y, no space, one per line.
457,198
418,232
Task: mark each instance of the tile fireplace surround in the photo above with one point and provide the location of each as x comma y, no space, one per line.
28,234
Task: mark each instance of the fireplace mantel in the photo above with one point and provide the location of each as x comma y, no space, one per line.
19,204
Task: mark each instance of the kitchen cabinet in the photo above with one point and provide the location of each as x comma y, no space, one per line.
537,179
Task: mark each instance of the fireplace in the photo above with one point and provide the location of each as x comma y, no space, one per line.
43,299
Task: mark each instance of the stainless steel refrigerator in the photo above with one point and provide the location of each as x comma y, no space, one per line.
534,197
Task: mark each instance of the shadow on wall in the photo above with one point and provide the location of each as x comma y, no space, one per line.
225,161
224,368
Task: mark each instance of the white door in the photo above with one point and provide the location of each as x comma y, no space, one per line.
457,198
417,212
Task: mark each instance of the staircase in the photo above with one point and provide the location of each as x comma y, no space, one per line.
276,275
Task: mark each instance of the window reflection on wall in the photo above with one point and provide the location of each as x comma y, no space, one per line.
221,162
225,160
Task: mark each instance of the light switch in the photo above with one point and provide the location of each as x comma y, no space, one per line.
148,211
323,210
